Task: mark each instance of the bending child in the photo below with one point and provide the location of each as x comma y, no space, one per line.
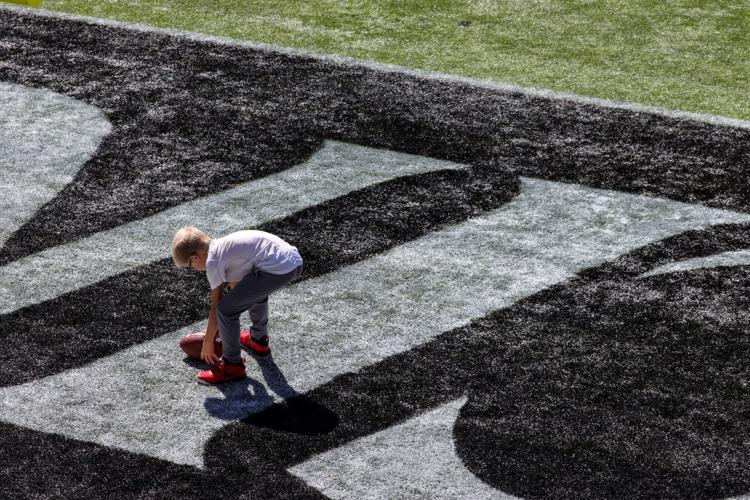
254,264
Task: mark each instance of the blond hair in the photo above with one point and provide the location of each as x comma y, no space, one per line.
187,242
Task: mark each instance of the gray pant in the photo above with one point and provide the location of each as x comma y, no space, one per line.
250,294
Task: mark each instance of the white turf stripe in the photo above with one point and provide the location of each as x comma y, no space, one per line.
739,258
144,399
335,170
391,68
416,459
45,138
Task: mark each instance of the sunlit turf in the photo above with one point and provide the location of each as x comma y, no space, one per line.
686,55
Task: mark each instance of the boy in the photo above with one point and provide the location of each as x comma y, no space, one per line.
254,264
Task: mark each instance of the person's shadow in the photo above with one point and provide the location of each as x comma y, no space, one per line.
247,399
241,398
249,396
275,379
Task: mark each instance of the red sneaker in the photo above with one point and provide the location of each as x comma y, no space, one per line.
221,372
259,347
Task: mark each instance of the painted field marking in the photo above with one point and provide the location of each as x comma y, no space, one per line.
335,170
415,459
261,394
45,138
738,258
143,399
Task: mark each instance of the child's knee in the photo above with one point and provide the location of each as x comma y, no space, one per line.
223,310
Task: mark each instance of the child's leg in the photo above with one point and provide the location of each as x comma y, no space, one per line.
252,290
259,317
259,310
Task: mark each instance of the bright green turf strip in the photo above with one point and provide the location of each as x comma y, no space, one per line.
686,55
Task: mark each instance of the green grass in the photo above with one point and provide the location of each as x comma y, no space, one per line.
686,55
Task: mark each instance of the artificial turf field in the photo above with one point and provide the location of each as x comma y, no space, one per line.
505,292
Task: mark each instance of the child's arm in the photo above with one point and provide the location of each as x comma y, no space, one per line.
207,353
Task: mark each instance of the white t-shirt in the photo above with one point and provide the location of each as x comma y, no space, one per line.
232,257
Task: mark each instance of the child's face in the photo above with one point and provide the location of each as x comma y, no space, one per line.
196,262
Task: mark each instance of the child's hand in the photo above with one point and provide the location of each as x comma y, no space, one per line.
207,353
